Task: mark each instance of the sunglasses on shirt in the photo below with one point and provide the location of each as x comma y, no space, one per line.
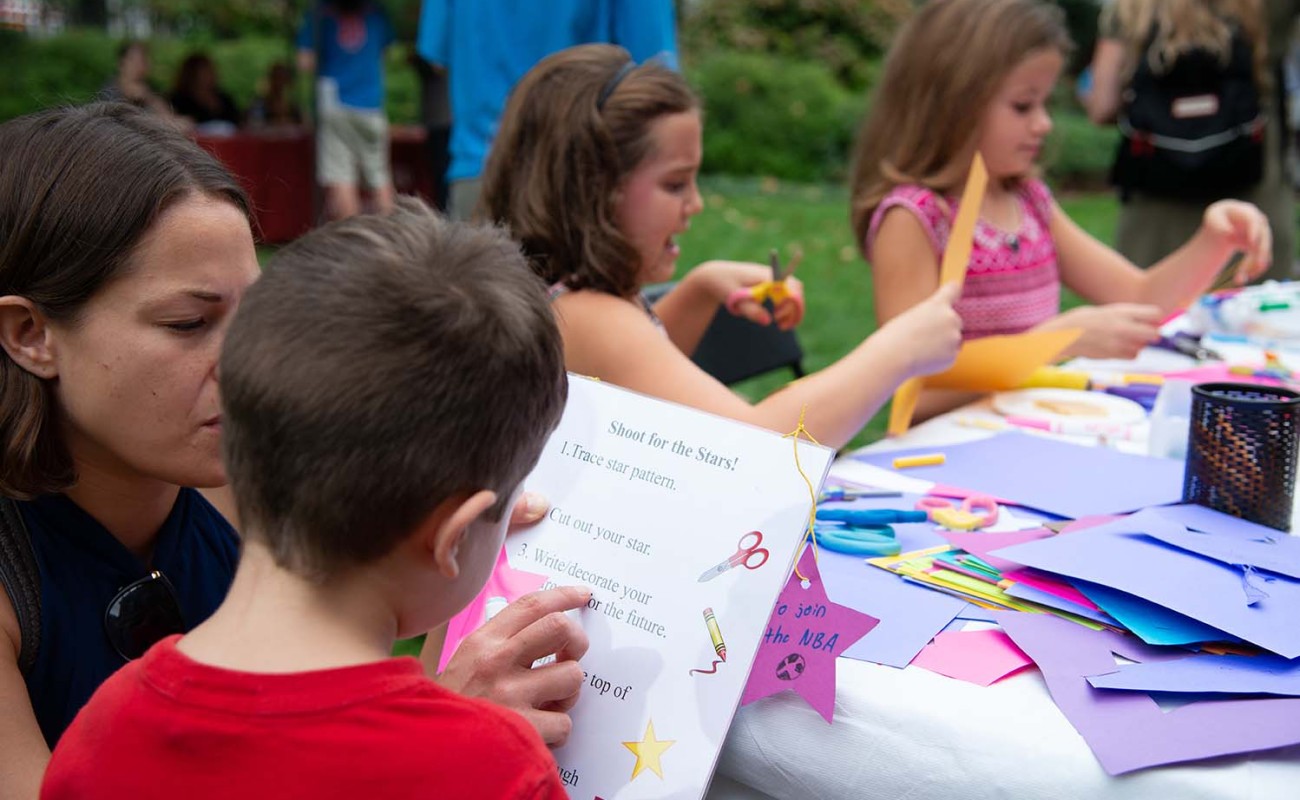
143,613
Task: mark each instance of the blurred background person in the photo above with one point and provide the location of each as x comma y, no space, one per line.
343,43
197,95
274,106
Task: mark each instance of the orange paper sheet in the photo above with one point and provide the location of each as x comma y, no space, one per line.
999,363
956,257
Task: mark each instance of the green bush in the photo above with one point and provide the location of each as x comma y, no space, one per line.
847,36
1079,154
772,116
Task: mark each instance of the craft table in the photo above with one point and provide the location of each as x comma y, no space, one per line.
914,734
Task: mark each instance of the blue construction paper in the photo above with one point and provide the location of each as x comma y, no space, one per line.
1231,540
1026,592
1212,674
910,615
1151,623
1057,477
1127,730
1122,556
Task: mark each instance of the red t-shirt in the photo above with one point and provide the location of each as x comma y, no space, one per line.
168,727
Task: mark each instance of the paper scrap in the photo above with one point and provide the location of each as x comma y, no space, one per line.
909,615
956,258
979,657
1121,555
1127,731
1001,363
1231,674
1060,478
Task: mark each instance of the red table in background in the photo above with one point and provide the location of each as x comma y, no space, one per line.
277,170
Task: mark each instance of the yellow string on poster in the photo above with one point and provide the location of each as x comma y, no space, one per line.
812,493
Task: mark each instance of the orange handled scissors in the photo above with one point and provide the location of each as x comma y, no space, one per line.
777,290
749,556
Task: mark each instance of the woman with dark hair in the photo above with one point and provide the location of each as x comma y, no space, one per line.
124,251
197,94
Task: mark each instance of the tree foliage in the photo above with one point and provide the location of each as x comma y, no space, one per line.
846,36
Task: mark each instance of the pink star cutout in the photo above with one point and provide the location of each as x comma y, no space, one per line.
804,636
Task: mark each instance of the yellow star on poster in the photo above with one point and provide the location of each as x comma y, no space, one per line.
648,751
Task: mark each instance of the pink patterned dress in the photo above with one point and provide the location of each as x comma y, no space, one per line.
1012,283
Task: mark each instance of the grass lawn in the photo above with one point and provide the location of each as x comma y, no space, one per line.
745,218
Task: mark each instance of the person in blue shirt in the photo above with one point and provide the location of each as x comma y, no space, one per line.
343,41
488,45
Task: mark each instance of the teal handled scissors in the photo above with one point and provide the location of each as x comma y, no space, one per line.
749,556
862,531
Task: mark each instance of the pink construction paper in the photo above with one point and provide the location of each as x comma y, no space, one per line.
1215,373
1090,521
979,544
505,581
1127,731
979,657
1053,587
805,634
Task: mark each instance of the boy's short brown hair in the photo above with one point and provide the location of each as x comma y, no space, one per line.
382,365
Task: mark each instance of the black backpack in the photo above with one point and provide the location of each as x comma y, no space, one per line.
1195,132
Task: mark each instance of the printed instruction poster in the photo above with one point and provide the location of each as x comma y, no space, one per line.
685,525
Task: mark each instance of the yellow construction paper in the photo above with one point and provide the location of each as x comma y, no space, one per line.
999,363
956,257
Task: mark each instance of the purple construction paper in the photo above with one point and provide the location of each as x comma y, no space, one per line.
799,649
1122,556
1151,623
1229,674
1023,591
1126,730
974,613
980,544
1056,477
1231,540
910,615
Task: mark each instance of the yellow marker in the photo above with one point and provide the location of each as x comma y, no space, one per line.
926,460
715,634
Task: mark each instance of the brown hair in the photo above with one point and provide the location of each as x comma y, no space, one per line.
1181,25
943,70
382,365
561,154
79,188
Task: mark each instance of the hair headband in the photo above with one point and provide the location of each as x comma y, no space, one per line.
613,83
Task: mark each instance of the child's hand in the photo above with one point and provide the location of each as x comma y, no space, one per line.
1115,330
495,662
929,332
1241,226
729,280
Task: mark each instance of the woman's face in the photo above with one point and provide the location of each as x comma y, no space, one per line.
136,378
659,197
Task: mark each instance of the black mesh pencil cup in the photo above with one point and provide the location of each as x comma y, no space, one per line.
1241,451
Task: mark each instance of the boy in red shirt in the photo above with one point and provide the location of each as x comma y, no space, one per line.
387,385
